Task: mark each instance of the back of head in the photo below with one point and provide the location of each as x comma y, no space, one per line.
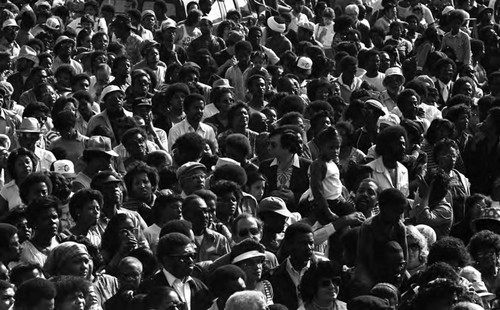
32,292
246,300
169,243
390,197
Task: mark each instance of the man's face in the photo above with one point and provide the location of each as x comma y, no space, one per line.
129,276
136,146
274,147
258,87
205,26
446,73
101,43
198,215
194,181
247,228
114,102
10,33
195,111
302,247
28,139
112,193
7,299
254,37
366,196
14,249
392,214
181,262
172,211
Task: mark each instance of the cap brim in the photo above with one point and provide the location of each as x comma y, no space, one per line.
112,153
29,131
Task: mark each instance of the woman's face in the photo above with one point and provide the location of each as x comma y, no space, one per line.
78,266
226,101
462,122
413,253
75,301
447,159
257,189
141,187
467,89
322,93
47,222
90,212
226,204
38,190
252,268
323,123
328,289
241,119
23,166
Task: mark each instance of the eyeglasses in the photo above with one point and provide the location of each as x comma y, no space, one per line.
185,257
251,231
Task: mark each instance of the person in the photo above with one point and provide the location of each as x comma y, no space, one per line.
71,292
142,107
130,272
176,254
63,48
298,256
210,244
238,116
222,98
141,182
255,37
194,106
246,300
319,287
484,248
366,197
457,40
43,218
276,39
374,235
187,32
242,52
36,185
71,141
191,176
10,250
35,294
85,209
418,250
28,135
123,29
249,256
206,40
373,76
274,215
224,282
7,294
162,297
20,163
26,61
286,170
387,169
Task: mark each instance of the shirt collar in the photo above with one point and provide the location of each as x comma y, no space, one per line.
171,278
295,162
290,268
188,125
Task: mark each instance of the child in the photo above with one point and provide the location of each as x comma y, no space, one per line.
457,40
234,74
325,184
324,31
404,46
259,62
256,183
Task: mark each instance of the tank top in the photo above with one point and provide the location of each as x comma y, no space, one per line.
332,187
186,38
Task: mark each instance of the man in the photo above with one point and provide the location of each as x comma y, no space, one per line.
10,249
162,297
6,295
191,177
148,20
274,213
210,244
9,120
176,253
206,40
226,57
297,15
139,29
142,107
366,198
305,32
254,37
26,61
352,10
28,135
393,82
121,72
113,97
8,41
35,294
194,105
246,300
169,52
374,235
256,85
63,49
298,246
285,171
150,51
276,40
225,281
130,271
122,27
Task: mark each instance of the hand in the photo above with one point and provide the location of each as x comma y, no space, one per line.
230,62
355,219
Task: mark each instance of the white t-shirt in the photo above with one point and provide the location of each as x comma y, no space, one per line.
377,82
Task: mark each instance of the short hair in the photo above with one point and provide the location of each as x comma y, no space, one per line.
459,99
327,135
7,231
348,61
61,103
390,197
32,179
243,46
191,99
443,145
64,120
289,139
82,95
483,240
309,283
66,286
239,142
444,62
141,168
170,242
296,229
438,125
14,155
387,136
404,96
241,216
290,103
178,226
36,107
156,295
82,197
223,276
190,145
222,187
162,200
31,292
246,300
39,205
449,249
234,109
342,23
385,291
217,93
65,69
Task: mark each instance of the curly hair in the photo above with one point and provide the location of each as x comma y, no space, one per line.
386,138
449,249
138,169
14,155
438,125
32,179
483,240
82,197
309,283
37,206
412,232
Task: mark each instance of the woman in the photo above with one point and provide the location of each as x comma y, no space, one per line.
445,154
319,287
425,45
119,239
72,292
238,116
460,115
228,198
348,153
223,99
439,129
20,164
83,41
43,218
141,182
84,207
188,31
250,255
167,106
417,250
224,28
140,86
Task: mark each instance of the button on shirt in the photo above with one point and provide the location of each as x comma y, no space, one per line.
179,129
182,288
296,276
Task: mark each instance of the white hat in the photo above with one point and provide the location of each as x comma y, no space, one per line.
304,63
275,26
306,25
388,119
447,10
394,71
53,23
377,105
167,24
65,167
221,161
10,23
110,89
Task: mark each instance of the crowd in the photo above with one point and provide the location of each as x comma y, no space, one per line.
316,155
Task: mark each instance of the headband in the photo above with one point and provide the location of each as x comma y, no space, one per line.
247,255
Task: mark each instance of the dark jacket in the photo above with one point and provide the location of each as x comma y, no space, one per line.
200,295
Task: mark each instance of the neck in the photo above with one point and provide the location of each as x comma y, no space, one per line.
42,240
297,265
371,73
323,303
389,162
109,210
193,124
257,102
81,229
286,160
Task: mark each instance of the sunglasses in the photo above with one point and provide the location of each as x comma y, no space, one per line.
185,257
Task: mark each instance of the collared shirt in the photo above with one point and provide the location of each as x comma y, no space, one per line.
460,44
179,129
10,192
45,159
285,175
181,287
213,246
102,119
346,90
59,62
11,48
132,47
296,276
445,89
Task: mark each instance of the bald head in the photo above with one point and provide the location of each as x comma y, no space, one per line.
128,262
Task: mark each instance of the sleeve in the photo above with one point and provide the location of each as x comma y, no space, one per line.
467,57
435,217
173,134
421,55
